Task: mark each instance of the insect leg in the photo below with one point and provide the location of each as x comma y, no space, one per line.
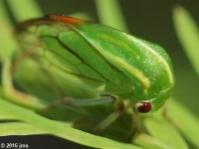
107,121
135,121
121,108
68,101
102,100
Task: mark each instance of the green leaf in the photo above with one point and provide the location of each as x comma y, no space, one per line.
188,34
8,45
184,120
18,8
159,128
18,128
60,129
110,14
149,142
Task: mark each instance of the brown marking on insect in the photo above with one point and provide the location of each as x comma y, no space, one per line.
143,106
121,107
64,19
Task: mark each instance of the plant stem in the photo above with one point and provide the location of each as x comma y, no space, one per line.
6,77
12,94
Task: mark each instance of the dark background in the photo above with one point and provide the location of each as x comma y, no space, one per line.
148,19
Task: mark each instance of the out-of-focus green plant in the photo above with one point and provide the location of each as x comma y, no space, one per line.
188,34
161,128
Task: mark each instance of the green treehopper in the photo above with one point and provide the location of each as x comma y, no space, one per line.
95,64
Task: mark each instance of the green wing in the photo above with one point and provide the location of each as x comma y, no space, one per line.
68,58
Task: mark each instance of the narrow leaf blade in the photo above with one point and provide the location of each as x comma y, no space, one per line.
18,128
59,129
31,7
159,128
184,120
188,34
149,142
110,14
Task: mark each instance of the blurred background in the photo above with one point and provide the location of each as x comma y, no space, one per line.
151,20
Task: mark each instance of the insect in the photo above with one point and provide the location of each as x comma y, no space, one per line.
100,61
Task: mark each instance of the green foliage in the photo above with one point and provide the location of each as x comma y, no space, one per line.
184,120
161,131
157,126
34,123
8,44
18,7
188,34
115,18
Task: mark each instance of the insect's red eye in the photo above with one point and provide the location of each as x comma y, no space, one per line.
144,106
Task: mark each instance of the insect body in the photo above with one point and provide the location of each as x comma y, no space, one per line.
101,60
